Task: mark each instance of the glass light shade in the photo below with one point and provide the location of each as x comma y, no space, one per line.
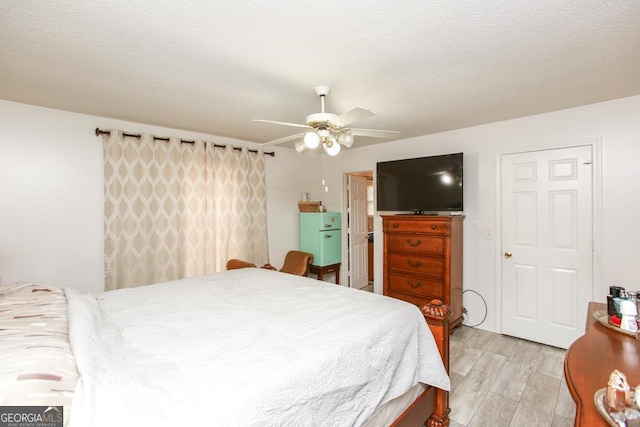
324,133
300,147
346,138
332,147
311,140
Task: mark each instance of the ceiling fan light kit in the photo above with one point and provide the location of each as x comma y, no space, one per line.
329,130
311,140
331,146
346,138
300,147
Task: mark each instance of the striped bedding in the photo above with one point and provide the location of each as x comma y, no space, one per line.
36,363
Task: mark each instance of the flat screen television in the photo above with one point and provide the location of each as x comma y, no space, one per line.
421,185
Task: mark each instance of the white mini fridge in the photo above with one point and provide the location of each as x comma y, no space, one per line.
320,235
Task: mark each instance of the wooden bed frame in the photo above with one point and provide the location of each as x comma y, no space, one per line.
431,408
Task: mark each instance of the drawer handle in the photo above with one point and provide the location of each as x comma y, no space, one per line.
395,225
433,226
414,286
327,236
414,264
413,245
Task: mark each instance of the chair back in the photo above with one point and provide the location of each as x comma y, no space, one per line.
297,262
234,264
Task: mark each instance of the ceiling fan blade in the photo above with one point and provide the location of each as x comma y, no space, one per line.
352,116
375,133
283,123
281,140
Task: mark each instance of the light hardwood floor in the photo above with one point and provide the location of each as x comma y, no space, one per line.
501,381
498,380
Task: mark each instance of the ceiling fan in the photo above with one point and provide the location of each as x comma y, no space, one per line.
329,129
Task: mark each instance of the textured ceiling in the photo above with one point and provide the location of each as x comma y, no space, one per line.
422,66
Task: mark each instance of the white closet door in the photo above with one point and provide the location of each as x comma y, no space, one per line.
547,244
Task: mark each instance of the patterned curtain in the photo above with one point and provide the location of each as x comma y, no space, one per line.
236,196
160,207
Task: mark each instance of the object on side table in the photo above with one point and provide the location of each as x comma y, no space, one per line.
616,402
618,391
611,322
629,312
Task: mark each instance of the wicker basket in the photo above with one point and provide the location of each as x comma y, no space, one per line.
309,206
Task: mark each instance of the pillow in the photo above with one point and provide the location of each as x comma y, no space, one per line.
36,363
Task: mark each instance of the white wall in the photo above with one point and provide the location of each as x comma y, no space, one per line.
51,194
51,190
615,123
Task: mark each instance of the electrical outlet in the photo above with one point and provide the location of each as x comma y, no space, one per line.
488,233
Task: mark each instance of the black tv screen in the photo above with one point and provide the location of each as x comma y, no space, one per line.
424,184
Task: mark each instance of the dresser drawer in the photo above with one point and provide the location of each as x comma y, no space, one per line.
432,266
412,226
416,300
422,260
421,286
433,245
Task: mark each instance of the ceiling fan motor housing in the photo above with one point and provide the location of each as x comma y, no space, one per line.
321,120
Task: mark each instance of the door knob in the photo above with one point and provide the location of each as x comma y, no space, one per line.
507,254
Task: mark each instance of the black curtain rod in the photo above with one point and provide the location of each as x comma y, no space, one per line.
184,141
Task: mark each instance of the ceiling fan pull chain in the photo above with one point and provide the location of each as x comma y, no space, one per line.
324,172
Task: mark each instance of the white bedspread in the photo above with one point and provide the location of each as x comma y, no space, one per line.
247,347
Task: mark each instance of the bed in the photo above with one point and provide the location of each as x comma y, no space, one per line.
249,347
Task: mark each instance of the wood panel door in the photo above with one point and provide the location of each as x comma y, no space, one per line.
547,244
358,232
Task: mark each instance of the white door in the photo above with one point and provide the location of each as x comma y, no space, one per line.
547,244
358,243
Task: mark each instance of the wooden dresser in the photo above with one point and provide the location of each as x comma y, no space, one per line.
423,260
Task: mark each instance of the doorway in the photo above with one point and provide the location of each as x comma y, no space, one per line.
359,202
547,208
